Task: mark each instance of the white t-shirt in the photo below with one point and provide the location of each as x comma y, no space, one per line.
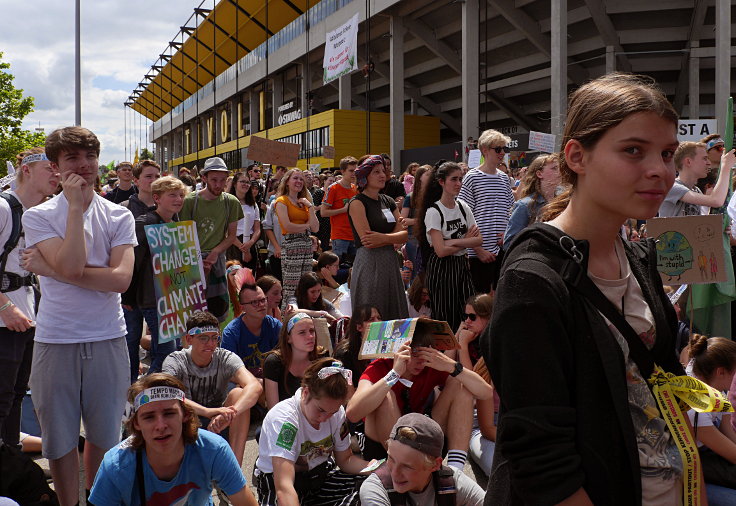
245,225
68,313
455,225
286,433
22,297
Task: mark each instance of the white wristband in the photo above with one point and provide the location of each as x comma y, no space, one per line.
392,378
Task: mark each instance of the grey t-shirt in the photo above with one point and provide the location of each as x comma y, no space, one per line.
204,385
469,492
674,206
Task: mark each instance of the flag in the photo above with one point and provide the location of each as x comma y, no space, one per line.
111,166
135,159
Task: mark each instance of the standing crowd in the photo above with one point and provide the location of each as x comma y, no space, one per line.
559,313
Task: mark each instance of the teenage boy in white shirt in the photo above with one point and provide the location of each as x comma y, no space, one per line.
81,246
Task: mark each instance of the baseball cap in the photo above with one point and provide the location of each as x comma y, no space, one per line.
214,163
429,436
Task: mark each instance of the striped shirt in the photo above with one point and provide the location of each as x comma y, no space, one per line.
490,198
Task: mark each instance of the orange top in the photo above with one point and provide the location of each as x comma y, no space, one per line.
298,214
338,197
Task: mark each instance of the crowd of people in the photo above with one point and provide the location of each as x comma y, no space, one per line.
544,275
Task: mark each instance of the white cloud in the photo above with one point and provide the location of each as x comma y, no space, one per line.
120,42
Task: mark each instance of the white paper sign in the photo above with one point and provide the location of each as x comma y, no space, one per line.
341,50
539,141
695,129
473,158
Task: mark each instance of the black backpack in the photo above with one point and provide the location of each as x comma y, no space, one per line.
22,480
16,211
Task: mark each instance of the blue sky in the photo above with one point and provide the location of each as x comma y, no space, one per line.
120,41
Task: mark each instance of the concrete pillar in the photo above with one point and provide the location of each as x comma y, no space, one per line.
195,141
254,107
610,59
723,60
396,91
303,84
693,107
277,85
345,93
559,68
414,107
470,69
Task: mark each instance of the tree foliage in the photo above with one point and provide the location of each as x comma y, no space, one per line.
13,108
145,154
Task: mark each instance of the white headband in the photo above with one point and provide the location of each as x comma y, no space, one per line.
154,394
201,330
336,368
35,157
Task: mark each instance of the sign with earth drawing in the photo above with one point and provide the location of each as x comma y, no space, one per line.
690,249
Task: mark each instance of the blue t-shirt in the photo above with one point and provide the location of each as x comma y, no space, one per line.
237,338
208,459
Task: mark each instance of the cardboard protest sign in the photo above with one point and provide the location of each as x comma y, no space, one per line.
178,276
541,142
322,331
689,248
273,152
328,151
383,339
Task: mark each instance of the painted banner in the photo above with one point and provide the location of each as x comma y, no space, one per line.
178,276
383,339
341,50
689,248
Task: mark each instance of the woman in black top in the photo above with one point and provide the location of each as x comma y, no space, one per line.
377,227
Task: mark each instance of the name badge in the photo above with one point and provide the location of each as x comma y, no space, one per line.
389,215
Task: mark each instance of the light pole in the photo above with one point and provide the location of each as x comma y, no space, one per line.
77,67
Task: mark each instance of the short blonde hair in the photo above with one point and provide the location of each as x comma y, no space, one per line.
492,138
167,184
687,149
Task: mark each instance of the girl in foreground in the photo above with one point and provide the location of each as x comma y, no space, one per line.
578,423
178,462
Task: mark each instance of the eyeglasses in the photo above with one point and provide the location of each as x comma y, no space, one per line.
499,149
472,316
205,338
256,302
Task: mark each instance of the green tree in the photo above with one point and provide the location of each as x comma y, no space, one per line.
13,108
145,154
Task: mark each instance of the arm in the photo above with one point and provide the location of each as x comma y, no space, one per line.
272,392
283,478
441,247
371,239
243,498
464,337
469,379
405,214
256,233
283,216
485,418
718,196
115,278
327,210
199,410
714,439
272,240
368,396
313,220
252,389
349,463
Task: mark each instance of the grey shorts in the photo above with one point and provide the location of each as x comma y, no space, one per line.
81,380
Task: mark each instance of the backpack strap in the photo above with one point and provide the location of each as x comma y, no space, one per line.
444,486
462,210
442,216
16,211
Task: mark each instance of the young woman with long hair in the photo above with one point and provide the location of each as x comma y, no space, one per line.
377,228
273,291
308,299
578,422
445,229
249,227
348,349
538,187
409,210
297,218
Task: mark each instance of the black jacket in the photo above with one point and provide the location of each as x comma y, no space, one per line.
560,373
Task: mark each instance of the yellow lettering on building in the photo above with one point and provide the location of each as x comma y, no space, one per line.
210,131
241,131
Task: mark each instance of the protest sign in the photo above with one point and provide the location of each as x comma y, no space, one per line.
695,129
541,142
328,151
178,276
322,332
689,248
273,152
474,158
383,339
341,48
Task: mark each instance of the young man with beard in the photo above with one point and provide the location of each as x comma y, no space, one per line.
206,369
36,179
217,214
81,246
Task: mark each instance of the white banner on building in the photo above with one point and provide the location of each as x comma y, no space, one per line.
341,50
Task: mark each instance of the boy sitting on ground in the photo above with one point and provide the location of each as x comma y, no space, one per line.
205,369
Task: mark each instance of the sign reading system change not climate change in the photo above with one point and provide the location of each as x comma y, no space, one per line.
178,276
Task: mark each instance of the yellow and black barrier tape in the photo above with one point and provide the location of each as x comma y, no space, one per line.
675,395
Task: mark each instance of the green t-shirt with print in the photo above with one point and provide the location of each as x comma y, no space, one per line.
212,217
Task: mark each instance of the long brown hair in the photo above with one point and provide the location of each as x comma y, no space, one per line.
283,188
285,353
597,107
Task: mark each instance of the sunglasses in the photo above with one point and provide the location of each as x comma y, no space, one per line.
718,147
472,316
505,149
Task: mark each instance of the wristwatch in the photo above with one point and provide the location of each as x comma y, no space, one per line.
458,369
